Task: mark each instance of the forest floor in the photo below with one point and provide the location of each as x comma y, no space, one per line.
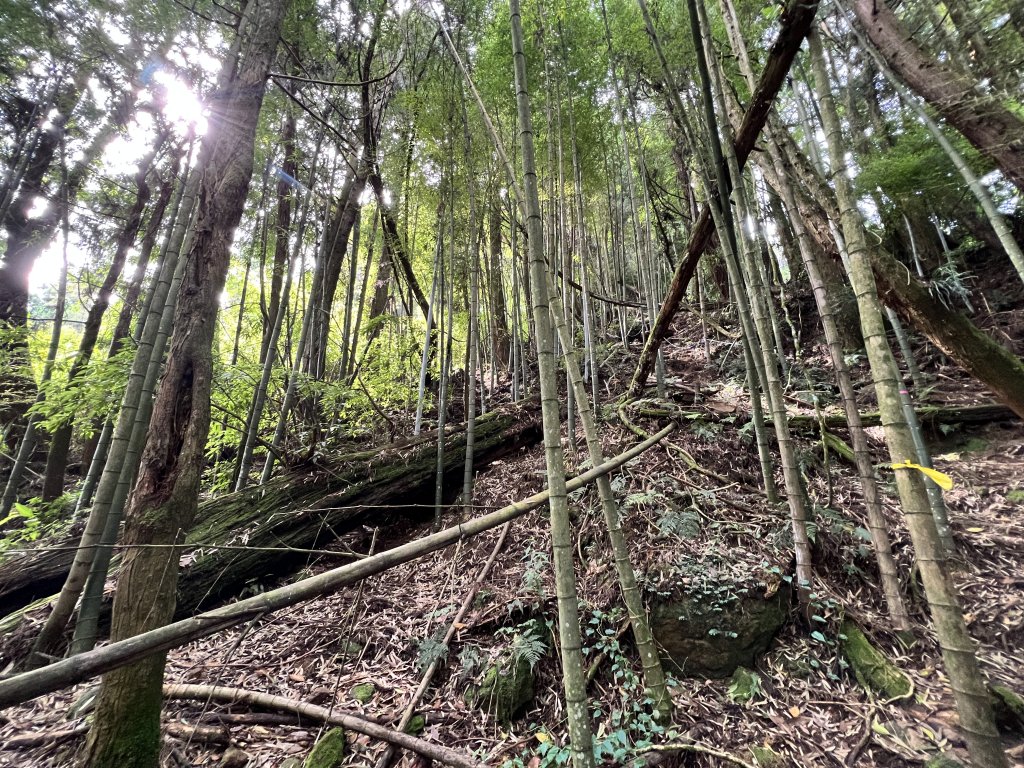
683,524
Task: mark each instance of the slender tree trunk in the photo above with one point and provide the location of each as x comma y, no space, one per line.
958,649
259,396
121,435
286,182
291,387
654,677
472,342
573,676
57,456
495,291
877,527
100,445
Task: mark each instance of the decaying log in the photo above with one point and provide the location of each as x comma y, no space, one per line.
85,666
929,416
303,509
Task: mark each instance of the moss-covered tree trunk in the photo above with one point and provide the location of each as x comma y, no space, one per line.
971,348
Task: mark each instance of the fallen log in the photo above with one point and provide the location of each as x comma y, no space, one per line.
272,527
84,666
930,416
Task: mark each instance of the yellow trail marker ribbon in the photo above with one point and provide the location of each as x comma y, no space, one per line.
944,481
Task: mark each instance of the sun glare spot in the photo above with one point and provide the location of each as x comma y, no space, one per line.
115,34
181,105
39,206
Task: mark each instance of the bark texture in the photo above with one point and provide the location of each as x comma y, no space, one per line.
126,731
993,129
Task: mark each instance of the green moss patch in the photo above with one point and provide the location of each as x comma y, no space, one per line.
506,689
1009,709
870,666
363,692
328,751
416,725
766,757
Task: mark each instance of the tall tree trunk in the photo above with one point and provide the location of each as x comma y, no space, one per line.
993,129
573,676
126,731
958,649
495,289
286,182
259,395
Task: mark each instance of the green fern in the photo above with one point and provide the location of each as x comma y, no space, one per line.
431,649
527,643
684,523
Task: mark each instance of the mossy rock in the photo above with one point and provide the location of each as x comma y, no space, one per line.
943,761
870,666
328,751
766,757
1009,709
744,686
506,690
416,725
707,637
363,692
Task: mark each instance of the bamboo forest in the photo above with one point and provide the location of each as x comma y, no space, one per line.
511,383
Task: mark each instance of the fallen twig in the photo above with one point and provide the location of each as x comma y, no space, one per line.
29,740
351,722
